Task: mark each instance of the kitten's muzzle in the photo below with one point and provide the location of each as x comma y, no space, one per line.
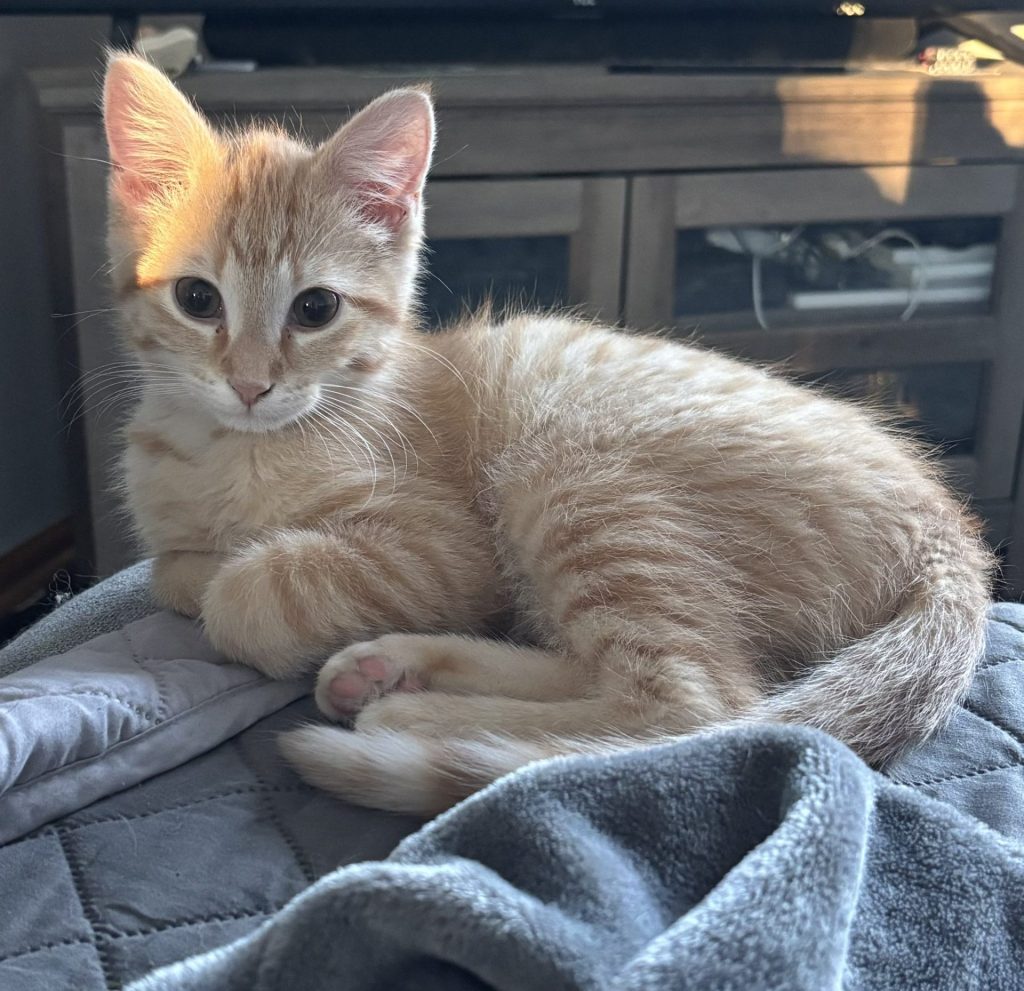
250,392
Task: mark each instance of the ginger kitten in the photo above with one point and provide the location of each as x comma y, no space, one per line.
691,540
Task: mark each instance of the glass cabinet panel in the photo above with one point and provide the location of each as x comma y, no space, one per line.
804,273
892,284
937,403
461,273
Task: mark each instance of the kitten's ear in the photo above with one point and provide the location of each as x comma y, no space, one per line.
159,143
384,153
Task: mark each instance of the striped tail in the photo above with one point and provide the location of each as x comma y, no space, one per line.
899,684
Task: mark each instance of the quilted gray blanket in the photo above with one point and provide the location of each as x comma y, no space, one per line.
756,859
766,858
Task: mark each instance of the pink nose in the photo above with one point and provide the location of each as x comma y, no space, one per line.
250,392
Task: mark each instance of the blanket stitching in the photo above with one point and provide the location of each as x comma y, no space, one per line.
251,789
1011,733
111,934
303,862
88,907
146,714
995,664
161,685
40,947
977,772
256,682
49,830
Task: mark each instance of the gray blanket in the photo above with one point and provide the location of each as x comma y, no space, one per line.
764,858
104,608
761,859
117,710
188,860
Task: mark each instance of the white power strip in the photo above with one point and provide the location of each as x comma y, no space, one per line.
840,299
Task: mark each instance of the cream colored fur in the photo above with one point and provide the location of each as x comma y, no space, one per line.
689,540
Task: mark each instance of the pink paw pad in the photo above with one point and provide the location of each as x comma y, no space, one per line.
347,690
376,668
350,685
373,676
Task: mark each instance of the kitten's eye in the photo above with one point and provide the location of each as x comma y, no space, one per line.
198,298
315,308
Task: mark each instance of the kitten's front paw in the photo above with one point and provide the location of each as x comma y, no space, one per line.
244,619
364,672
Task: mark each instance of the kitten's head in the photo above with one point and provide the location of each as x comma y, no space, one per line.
253,270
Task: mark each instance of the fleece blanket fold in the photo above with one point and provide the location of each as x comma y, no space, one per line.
764,858
104,608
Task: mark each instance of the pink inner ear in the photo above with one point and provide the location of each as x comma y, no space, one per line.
382,204
126,124
135,182
384,153
154,135
394,194
130,182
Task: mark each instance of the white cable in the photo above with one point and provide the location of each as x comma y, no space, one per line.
755,292
755,268
920,277
918,286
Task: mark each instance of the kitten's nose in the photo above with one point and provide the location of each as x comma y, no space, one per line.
250,392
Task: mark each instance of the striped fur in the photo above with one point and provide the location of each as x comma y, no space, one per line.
689,540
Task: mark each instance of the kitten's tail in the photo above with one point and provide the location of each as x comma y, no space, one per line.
899,684
403,772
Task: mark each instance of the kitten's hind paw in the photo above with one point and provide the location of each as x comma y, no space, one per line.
358,675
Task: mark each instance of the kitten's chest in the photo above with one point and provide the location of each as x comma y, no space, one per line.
203,489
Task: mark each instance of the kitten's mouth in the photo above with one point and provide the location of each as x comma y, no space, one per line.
261,418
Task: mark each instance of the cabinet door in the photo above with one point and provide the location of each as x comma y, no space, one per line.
892,284
523,243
